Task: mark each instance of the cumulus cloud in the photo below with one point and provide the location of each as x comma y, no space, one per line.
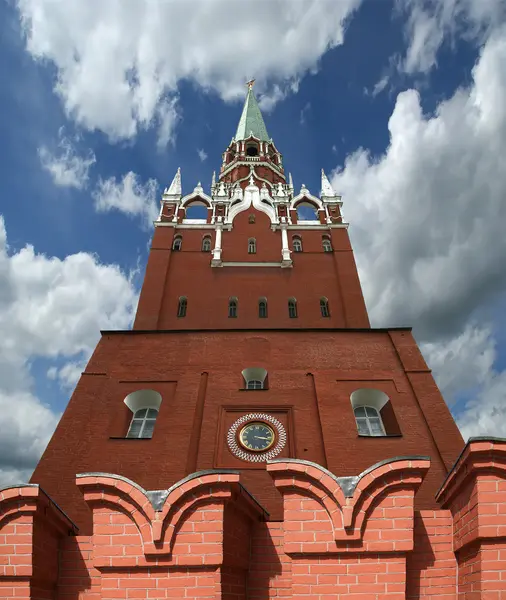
129,196
427,220
66,167
118,64
53,309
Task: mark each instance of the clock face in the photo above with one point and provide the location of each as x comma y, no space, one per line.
256,436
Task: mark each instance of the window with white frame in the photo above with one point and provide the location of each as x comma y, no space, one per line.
145,406
324,307
297,243
327,244
255,378
181,307
206,244
292,308
232,308
143,423
252,246
262,308
368,421
177,243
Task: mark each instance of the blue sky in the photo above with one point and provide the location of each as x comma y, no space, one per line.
401,102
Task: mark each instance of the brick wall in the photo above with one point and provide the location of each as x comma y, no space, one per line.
322,427
432,566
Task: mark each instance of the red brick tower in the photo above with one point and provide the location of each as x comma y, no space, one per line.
253,437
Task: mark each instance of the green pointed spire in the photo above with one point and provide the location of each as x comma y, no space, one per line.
251,120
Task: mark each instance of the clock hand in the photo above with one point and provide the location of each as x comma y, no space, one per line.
257,437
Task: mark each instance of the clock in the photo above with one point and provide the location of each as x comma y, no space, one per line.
256,437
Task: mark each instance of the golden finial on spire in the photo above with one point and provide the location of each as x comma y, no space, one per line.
250,83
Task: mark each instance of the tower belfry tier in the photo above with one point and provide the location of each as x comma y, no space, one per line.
253,437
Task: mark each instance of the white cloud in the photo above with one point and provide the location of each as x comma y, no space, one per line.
66,167
118,64
202,154
430,23
53,309
464,366
304,112
128,196
427,224
379,86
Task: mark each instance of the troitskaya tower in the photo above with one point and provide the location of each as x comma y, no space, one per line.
252,436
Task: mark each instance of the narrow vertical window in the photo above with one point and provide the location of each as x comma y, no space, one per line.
292,308
181,308
297,243
177,244
252,246
262,308
206,244
326,243
324,307
232,308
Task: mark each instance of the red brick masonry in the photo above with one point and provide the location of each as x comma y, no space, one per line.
207,538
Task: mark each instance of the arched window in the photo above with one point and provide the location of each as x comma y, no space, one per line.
292,308
324,307
181,307
327,244
206,244
232,308
368,421
177,243
143,423
306,212
262,308
252,246
145,405
255,378
297,243
196,211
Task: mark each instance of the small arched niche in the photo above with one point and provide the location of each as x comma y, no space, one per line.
374,414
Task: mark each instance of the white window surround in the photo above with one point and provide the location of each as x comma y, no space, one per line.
252,374
143,399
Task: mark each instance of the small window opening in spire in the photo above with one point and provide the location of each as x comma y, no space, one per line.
292,308
232,308
327,244
181,308
252,246
262,308
297,243
206,244
324,307
252,150
178,243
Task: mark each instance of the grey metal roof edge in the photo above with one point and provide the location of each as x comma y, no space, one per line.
55,504
348,484
273,329
112,476
478,438
158,497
